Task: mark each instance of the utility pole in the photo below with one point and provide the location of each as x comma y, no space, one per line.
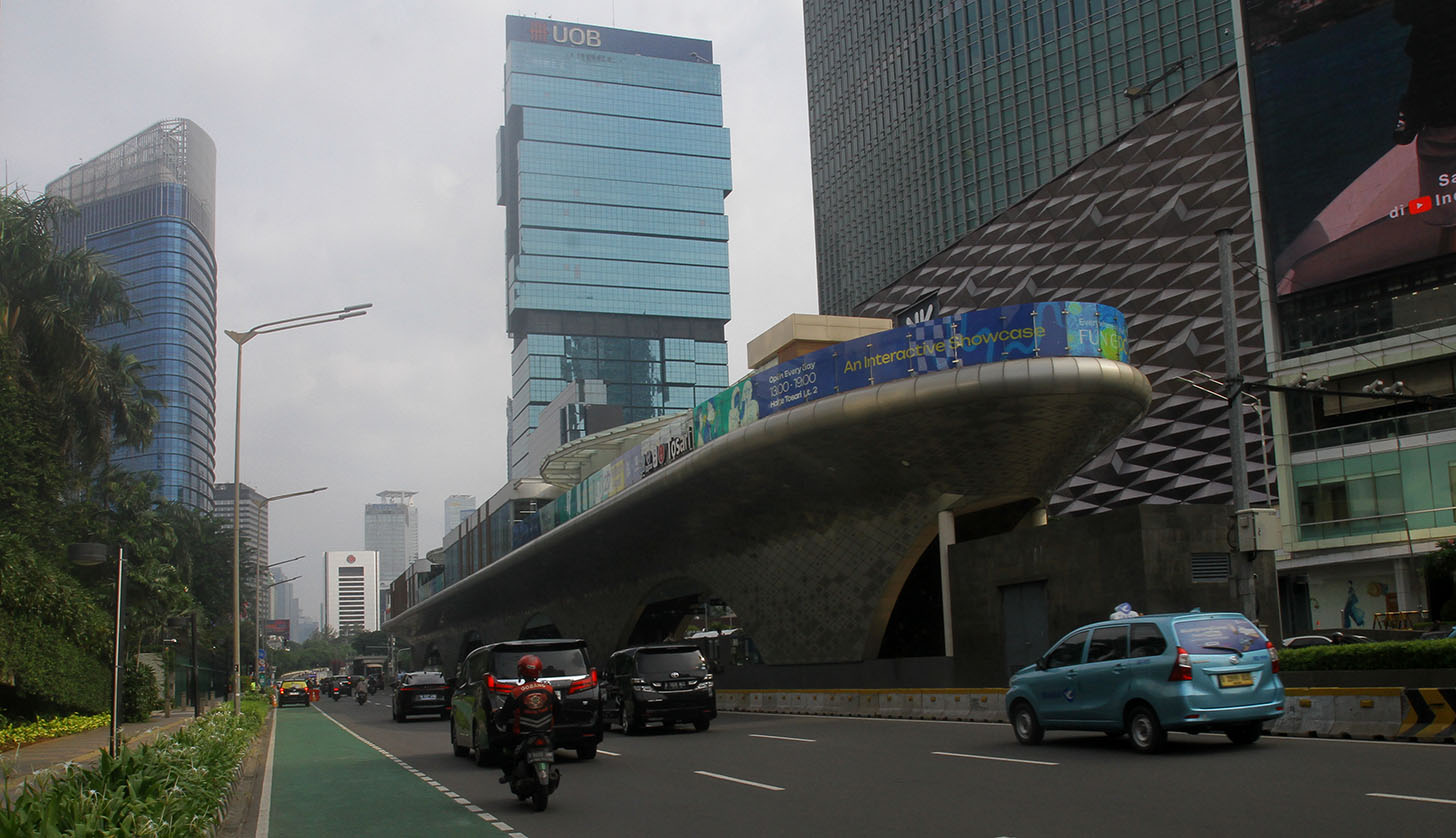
1243,563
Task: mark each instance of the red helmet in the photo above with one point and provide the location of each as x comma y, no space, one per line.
529,667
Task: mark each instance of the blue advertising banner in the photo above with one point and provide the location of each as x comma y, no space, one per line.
1055,329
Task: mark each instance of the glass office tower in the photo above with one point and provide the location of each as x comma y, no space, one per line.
927,118
147,205
613,167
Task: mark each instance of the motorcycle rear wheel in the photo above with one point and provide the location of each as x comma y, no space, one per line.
539,798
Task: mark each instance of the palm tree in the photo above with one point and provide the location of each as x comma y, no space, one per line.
48,303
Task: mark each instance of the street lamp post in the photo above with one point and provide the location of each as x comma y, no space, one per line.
89,554
259,588
241,338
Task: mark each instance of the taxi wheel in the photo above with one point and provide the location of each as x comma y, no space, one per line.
1024,721
1245,734
1145,731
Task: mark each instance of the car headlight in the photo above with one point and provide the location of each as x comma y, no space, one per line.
705,684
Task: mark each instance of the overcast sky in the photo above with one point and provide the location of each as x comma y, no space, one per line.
356,163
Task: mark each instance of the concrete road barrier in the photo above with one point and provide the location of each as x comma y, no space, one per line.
1427,715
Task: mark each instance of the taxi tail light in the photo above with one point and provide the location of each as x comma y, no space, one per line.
583,684
1273,654
1182,667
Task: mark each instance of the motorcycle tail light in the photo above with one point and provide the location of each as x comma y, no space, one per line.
1273,654
584,684
1182,667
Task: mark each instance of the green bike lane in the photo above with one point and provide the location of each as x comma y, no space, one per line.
322,778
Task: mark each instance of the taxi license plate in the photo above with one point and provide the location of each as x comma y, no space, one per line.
1236,679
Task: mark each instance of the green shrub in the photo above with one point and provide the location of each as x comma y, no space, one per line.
139,696
171,788
1394,654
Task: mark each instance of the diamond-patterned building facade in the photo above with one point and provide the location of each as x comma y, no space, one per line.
1134,226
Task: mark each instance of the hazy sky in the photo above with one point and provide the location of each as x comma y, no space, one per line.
356,163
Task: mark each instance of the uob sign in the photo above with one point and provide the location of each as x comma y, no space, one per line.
565,34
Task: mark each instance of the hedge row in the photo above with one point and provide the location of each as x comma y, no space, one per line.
171,788
1393,654
15,735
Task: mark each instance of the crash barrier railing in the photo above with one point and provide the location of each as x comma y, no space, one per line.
1387,713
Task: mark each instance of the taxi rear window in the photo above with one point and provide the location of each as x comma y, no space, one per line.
1218,634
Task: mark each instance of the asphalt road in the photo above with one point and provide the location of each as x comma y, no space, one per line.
755,774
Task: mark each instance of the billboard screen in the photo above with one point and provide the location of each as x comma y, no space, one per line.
277,632
1355,115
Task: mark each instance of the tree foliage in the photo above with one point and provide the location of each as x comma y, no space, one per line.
65,404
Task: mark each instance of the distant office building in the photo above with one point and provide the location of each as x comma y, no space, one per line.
351,591
613,164
926,120
148,206
457,510
392,529
252,515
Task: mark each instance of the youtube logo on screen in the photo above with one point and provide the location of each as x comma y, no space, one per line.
1420,204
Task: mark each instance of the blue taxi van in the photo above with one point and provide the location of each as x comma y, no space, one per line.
1147,675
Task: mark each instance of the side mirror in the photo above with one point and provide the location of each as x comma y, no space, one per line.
1041,664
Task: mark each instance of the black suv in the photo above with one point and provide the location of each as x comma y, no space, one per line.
664,683
489,674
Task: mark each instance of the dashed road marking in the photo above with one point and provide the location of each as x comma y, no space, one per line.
1413,797
784,738
993,759
739,780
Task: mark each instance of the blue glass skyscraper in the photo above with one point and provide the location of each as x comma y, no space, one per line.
613,167
147,205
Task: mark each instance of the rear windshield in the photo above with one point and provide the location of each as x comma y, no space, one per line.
294,685
555,663
651,662
425,679
1218,634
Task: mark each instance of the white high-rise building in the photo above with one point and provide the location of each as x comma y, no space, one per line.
457,509
391,528
351,591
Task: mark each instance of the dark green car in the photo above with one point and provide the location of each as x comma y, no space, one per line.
487,677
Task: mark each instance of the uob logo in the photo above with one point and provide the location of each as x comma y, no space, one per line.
575,35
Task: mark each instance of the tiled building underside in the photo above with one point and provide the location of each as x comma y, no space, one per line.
1133,226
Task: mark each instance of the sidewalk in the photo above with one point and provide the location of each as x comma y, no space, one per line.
30,761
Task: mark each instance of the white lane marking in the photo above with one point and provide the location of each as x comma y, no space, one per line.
265,800
737,780
993,759
608,753
483,815
784,738
1412,797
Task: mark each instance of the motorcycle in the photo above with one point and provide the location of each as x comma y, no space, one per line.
361,697
534,776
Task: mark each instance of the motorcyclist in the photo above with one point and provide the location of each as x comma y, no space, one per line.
361,691
531,707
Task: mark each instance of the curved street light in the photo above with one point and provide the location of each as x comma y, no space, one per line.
241,338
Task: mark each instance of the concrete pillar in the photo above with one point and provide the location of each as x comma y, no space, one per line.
1406,590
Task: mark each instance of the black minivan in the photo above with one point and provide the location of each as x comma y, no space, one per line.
665,682
488,675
